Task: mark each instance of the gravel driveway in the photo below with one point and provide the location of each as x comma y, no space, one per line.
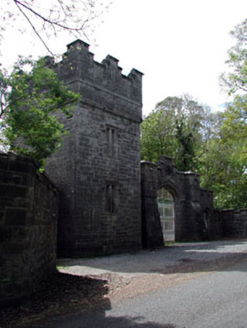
156,261
128,275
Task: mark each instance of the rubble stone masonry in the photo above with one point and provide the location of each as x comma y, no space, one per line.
28,227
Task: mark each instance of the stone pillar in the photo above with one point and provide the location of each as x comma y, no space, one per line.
152,236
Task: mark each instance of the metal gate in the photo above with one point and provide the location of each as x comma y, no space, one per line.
167,214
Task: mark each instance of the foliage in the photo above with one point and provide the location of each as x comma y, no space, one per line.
186,147
230,180
176,128
223,164
53,17
30,98
236,79
233,135
154,131
234,127
222,171
235,117
211,144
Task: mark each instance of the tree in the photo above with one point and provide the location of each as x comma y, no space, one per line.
228,150
176,128
30,98
47,18
235,117
233,134
186,146
234,127
210,150
222,165
158,135
236,80
226,174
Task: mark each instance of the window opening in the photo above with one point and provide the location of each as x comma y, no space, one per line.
111,141
110,198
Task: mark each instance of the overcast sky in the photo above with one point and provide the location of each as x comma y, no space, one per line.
179,45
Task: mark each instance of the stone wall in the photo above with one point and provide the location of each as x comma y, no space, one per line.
234,223
193,205
216,224
28,218
97,170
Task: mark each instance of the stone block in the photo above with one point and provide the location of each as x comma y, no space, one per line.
15,247
15,216
9,192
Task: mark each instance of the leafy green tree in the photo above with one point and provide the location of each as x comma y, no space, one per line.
30,98
186,147
208,156
233,137
236,79
176,128
234,127
158,135
228,150
220,171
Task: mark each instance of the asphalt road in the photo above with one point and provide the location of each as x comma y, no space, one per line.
213,300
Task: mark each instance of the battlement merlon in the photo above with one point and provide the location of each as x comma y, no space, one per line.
78,63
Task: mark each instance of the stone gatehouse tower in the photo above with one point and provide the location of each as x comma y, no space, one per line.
97,170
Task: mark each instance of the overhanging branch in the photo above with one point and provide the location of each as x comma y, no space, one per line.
31,24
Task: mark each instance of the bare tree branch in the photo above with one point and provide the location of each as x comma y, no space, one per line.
49,21
33,27
52,18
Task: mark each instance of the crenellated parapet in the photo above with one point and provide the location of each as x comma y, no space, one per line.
79,68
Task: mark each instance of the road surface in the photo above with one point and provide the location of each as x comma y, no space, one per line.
200,299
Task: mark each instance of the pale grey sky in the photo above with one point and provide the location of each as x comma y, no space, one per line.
179,45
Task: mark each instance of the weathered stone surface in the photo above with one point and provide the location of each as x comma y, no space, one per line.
28,221
15,216
234,223
193,206
100,158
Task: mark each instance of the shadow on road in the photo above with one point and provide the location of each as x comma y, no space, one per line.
59,294
94,316
97,318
